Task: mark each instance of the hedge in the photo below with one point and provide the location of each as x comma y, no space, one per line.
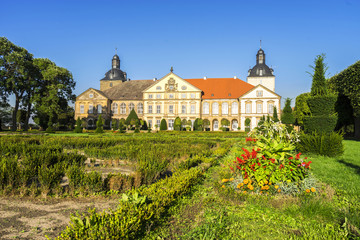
322,105
323,124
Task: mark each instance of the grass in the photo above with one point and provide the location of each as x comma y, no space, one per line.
211,212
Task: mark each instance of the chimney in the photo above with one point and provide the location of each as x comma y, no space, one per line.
154,79
205,78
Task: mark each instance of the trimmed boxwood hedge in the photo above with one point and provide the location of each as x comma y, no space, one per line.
325,124
322,105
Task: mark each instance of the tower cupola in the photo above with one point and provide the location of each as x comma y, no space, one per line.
116,62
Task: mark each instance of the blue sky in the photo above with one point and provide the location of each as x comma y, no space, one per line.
198,38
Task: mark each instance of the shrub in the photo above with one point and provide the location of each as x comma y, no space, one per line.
275,116
287,116
78,127
247,125
163,125
93,182
115,124
321,124
99,125
177,124
327,144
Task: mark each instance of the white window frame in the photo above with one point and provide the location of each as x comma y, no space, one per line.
216,125
248,107
158,108
215,108
91,108
234,108
131,107
192,95
82,108
99,108
271,108
140,108
150,96
224,108
192,108
158,96
158,122
183,95
259,107
149,123
171,96
150,109
171,124
123,108
183,109
206,108
171,108
115,108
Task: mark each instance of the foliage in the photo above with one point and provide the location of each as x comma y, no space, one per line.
321,124
318,87
78,127
247,124
5,114
115,124
198,124
301,109
287,116
326,144
99,125
177,124
132,119
275,115
163,125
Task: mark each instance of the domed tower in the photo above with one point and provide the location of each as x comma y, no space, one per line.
114,76
261,73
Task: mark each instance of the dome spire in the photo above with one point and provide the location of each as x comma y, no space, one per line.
260,43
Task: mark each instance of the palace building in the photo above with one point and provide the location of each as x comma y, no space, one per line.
171,96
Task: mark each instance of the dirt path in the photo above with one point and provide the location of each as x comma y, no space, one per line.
33,219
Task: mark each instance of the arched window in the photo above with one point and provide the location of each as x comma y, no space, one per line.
140,108
123,108
215,108
206,108
225,108
99,108
115,108
131,107
215,125
234,108
234,125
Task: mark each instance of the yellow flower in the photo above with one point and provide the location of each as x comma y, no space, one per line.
249,185
231,179
289,181
225,180
266,187
276,186
251,188
279,190
238,186
266,182
223,186
246,181
313,189
244,192
307,190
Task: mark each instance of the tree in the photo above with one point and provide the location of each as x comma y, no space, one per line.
5,114
318,87
16,70
121,125
321,103
247,124
188,125
163,125
225,124
183,124
177,124
347,83
78,128
287,116
301,109
53,92
115,124
132,119
275,117
99,125
206,124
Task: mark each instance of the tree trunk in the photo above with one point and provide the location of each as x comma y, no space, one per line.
14,116
357,127
28,113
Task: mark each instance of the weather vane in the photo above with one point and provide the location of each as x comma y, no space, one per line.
116,50
260,43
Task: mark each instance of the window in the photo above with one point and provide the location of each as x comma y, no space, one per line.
216,125
150,96
171,87
261,58
115,108
171,108
258,107
150,109
99,108
91,109
149,124
225,108
82,109
158,88
215,108
123,108
260,72
234,108
192,109
140,108
171,124
158,121
171,96
131,107
183,87
158,96
192,95
206,108
183,95
183,108
158,108
271,108
91,95
248,107
259,93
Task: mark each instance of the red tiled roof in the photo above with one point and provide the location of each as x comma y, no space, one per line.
216,88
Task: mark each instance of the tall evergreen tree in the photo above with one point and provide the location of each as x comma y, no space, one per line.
177,124
78,128
99,125
133,119
163,125
287,116
318,86
275,117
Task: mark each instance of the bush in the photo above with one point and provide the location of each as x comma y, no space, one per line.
163,125
247,125
323,124
326,144
78,128
322,105
99,125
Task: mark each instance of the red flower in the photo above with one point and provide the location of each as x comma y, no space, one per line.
238,167
289,163
231,169
258,164
291,158
290,169
253,154
298,156
281,166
